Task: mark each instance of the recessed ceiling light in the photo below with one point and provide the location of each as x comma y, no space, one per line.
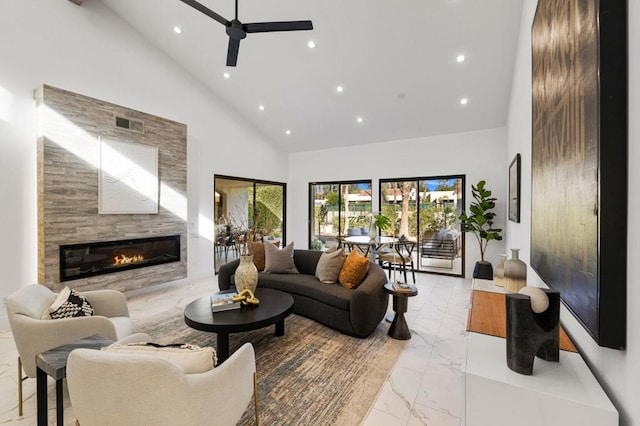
311,44
177,30
288,132
460,58
226,75
261,107
340,89
359,119
464,101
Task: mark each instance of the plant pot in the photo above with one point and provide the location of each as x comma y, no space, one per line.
246,275
483,270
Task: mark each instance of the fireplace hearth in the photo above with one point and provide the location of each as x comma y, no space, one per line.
105,257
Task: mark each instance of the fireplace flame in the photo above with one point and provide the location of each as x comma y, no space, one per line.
123,259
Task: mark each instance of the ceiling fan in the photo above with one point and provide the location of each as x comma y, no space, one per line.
237,30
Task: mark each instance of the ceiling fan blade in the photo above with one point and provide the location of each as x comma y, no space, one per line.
232,52
210,13
263,27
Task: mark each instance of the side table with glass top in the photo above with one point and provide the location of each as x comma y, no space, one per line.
54,363
399,328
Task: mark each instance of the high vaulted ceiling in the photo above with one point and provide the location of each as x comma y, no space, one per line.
395,59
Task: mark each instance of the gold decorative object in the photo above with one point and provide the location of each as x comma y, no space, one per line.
247,298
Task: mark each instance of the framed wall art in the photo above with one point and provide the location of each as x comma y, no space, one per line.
579,160
514,189
128,181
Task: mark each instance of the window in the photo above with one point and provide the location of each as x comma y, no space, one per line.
337,209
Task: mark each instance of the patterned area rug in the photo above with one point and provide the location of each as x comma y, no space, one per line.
312,375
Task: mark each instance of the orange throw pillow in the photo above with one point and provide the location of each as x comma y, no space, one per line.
354,270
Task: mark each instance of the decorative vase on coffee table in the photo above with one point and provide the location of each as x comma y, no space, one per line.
498,272
515,273
246,275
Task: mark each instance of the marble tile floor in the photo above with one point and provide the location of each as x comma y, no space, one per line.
423,388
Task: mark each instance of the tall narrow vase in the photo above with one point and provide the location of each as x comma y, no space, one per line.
515,273
498,273
246,275
373,232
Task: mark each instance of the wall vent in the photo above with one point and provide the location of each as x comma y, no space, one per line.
133,125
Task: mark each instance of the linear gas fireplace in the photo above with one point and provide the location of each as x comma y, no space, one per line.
89,259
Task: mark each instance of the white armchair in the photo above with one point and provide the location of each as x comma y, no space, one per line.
33,335
115,388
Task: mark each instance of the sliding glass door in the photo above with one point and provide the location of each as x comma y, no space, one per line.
246,207
426,210
337,209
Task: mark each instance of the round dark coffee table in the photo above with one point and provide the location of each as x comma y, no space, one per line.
274,307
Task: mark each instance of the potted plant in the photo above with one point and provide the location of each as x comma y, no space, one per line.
480,223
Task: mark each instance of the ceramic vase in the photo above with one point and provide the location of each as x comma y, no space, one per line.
246,276
498,273
515,273
373,232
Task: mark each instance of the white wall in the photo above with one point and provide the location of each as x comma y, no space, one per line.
478,155
617,371
89,50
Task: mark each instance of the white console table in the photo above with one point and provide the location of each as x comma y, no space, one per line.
558,393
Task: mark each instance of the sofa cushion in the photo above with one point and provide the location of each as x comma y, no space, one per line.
452,234
256,249
279,261
192,359
309,286
306,260
354,270
330,265
70,303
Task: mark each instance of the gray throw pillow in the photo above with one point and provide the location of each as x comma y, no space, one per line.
279,261
330,265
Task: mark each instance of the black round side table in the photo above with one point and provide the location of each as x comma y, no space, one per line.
399,329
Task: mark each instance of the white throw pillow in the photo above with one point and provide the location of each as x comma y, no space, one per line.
191,358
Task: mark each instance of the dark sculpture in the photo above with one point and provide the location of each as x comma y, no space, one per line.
530,334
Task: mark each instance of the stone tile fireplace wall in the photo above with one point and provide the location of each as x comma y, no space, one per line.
69,130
